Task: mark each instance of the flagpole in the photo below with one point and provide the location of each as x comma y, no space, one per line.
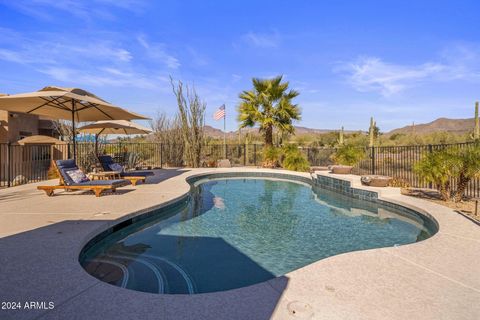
225,132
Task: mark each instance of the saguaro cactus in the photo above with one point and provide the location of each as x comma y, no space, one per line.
371,132
476,131
340,137
248,141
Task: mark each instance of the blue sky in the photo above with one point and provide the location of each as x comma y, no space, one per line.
399,61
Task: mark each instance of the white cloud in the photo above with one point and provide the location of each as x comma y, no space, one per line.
57,48
86,10
262,40
372,74
197,58
101,77
157,52
88,60
12,56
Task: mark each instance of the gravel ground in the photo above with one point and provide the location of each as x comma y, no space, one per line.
466,207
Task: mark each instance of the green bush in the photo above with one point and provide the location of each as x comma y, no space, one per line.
437,168
348,155
271,157
441,166
468,161
294,159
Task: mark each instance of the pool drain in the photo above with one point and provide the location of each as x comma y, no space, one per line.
300,310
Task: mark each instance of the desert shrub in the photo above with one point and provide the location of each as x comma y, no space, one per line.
441,166
133,160
468,162
294,159
438,168
399,183
348,155
191,117
271,157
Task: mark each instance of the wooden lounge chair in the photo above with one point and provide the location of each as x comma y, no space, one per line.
133,176
66,182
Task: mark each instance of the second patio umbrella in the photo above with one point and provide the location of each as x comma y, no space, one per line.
113,127
72,104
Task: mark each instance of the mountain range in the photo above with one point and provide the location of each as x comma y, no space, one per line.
438,125
217,133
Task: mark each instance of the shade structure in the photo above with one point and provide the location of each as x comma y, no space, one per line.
39,139
114,127
72,104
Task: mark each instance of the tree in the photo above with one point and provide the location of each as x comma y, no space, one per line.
168,132
64,129
439,167
192,115
468,160
269,105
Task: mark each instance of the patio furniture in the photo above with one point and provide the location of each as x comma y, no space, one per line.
68,170
105,175
108,165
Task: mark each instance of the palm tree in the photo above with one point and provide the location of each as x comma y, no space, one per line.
438,167
469,168
269,104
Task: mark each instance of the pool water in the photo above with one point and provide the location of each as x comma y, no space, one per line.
237,232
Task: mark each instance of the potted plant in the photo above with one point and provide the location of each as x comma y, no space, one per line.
346,157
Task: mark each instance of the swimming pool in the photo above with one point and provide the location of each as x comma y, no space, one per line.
234,232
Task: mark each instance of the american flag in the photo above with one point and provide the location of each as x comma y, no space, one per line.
220,113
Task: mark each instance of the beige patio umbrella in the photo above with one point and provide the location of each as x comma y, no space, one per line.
39,139
72,104
113,127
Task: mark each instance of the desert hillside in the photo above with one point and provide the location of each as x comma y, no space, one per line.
440,124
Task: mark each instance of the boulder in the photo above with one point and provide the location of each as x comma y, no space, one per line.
375,180
341,169
224,163
19,180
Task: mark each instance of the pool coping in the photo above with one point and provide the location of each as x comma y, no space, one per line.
295,289
143,214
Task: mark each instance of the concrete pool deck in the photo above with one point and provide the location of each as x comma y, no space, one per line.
41,237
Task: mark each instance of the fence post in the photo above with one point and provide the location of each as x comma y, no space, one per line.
9,162
244,154
255,155
373,160
161,155
430,150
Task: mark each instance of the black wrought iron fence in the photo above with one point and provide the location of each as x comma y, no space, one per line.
21,164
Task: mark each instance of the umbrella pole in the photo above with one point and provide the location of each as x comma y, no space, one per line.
73,132
97,135
96,144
